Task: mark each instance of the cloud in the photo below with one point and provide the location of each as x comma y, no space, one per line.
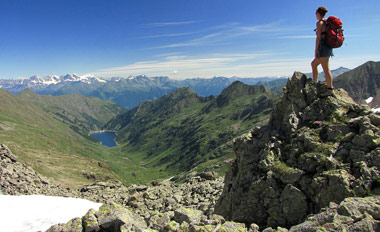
165,24
167,35
218,35
228,64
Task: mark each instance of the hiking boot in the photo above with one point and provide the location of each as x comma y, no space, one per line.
329,92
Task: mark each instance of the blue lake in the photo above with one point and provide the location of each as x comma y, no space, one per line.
105,138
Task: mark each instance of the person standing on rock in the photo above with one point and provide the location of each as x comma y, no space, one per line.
322,50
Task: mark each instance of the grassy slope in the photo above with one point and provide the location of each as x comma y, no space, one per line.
48,145
182,131
82,113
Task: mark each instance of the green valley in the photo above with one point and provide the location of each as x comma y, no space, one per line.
183,131
31,126
175,134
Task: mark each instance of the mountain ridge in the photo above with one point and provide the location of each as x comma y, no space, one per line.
362,83
128,92
183,130
47,143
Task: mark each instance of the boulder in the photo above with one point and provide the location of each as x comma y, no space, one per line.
352,214
191,216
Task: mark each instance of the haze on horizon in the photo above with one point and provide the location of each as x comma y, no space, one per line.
178,39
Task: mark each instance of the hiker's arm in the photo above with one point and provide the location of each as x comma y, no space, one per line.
318,39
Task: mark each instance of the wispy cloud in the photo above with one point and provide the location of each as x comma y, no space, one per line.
228,64
165,24
220,34
167,35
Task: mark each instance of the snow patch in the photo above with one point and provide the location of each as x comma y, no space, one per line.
100,80
376,110
39,213
370,99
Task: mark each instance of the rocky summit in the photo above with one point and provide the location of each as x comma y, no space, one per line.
318,148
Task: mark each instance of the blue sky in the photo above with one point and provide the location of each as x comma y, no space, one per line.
177,38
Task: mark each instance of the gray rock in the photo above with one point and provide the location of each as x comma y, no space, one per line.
191,216
232,227
293,204
352,214
90,221
292,168
112,216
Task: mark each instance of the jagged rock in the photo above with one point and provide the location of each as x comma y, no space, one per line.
159,222
352,214
109,217
316,149
90,221
232,227
191,216
16,178
112,216
74,225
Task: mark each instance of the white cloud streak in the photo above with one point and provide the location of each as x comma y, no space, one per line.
167,35
166,24
239,64
265,63
223,33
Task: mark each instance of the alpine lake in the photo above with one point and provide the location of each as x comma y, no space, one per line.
105,138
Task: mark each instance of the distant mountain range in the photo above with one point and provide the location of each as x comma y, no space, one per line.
130,91
335,73
127,92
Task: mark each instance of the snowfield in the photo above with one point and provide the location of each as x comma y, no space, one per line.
39,213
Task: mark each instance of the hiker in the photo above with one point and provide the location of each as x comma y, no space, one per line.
322,50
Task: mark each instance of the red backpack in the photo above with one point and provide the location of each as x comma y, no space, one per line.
334,32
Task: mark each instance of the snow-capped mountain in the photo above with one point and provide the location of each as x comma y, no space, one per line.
54,79
37,83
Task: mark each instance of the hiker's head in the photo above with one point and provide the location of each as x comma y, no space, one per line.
321,11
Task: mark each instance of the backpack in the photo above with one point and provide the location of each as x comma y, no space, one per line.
334,32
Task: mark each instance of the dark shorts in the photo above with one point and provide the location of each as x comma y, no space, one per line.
324,50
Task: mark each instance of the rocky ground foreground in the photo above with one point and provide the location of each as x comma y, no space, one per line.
315,167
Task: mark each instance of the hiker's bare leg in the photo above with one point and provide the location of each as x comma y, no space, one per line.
314,67
326,68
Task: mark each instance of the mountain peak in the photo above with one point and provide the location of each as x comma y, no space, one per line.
238,89
304,101
362,83
27,93
317,149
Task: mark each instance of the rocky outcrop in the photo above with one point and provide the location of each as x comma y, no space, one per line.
115,218
109,217
160,202
318,148
352,214
18,179
158,206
